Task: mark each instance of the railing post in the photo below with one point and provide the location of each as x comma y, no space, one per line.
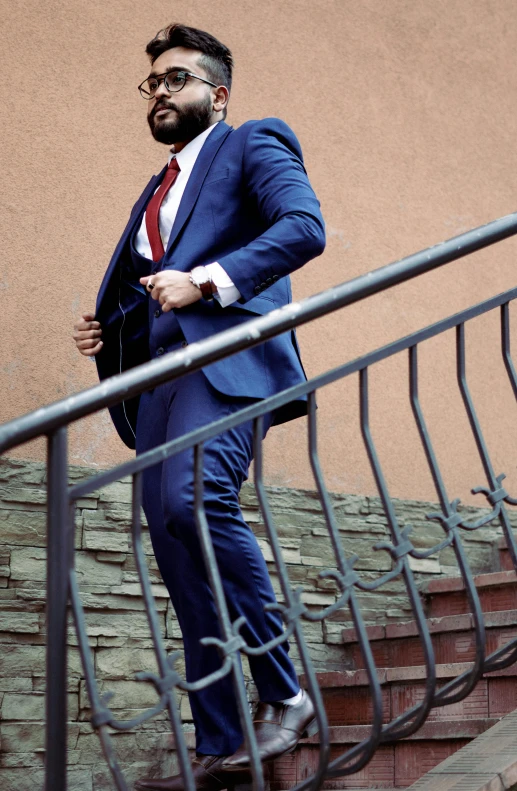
58,560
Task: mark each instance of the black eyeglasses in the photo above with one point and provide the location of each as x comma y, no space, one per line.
174,81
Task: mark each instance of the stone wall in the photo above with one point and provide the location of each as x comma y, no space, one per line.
117,625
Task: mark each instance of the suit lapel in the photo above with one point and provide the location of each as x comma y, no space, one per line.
136,215
205,158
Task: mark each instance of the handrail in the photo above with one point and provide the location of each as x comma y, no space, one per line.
197,355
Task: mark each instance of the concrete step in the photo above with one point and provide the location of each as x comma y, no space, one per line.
446,596
399,645
488,763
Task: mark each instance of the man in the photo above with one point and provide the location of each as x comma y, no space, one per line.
210,243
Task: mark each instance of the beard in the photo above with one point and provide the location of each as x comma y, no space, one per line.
190,121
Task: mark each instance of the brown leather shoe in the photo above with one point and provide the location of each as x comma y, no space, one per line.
278,729
208,776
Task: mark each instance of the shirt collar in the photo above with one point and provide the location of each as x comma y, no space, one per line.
188,155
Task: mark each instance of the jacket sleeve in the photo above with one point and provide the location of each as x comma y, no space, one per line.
278,186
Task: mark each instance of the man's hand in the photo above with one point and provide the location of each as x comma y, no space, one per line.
87,333
172,289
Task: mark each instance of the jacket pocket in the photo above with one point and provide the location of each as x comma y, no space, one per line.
217,176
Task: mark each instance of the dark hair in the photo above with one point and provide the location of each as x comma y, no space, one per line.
216,60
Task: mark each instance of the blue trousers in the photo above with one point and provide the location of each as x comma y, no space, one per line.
170,411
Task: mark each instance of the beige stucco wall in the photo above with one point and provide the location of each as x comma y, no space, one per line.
406,111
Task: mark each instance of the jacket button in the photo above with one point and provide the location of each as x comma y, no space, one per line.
263,286
160,351
184,343
275,278
269,281
157,313
257,289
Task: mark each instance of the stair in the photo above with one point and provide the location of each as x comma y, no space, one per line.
402,674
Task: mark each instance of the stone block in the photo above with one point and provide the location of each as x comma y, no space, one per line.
134,589
290,550
25,736
333,632
27,707
106,541
111,557
108,601
122,663
27,661
19,527
22,472
88,570
185,710
24,498
26,622
116,624
16,685
312,632
130,575
425,565
251,516
22,779
118,492
127,694
173,627
13,760
30,563
317,598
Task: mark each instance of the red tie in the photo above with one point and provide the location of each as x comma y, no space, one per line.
153,209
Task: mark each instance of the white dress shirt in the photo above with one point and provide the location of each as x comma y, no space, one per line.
227,292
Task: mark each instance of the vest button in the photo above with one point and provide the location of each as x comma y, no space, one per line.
157,314
257,290
160,351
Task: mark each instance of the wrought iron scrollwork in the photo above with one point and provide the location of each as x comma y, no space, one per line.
167,682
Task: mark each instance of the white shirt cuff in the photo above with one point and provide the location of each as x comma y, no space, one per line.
227,293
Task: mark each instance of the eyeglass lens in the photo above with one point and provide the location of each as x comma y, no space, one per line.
174,81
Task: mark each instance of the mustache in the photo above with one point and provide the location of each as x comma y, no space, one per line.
163,106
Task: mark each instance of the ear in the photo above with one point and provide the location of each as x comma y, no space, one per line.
221,97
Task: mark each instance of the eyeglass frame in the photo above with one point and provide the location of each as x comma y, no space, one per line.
163,78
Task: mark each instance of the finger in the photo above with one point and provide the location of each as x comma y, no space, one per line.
82,335
87,343
86,325
92,352
145,280
88,316
96,349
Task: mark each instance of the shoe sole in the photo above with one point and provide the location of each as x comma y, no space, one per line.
310,730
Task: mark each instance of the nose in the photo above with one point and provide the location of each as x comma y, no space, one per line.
161,90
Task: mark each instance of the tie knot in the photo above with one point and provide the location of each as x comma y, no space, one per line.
173,165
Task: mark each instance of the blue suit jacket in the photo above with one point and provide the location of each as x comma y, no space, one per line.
248,204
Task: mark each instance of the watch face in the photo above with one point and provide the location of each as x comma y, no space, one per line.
199,275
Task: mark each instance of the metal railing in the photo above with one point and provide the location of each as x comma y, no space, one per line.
62,585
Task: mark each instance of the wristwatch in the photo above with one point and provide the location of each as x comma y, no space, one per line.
200,277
